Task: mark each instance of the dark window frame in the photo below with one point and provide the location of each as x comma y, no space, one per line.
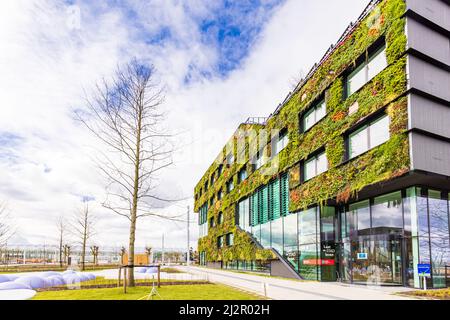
303,163
364,58
312,106
367,122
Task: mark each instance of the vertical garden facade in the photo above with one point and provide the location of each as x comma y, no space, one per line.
348,180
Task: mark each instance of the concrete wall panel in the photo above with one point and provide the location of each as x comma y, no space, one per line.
428,78
429,154
429,116
428,41
436,11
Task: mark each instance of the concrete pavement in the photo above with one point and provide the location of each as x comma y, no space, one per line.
284,289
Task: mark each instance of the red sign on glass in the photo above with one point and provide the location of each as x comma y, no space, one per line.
318,262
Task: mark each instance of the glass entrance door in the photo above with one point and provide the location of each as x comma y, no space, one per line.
388,260
372,260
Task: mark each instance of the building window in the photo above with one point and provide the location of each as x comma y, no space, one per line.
220,195
230,159
212,179
220,242
230,185
202,221
314,115
280,142
258,160
229,239
211,222
242,175
211,201
219,170
206,186
369,136
244,214
220,218
366,71
315,166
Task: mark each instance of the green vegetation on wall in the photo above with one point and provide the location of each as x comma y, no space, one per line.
343,179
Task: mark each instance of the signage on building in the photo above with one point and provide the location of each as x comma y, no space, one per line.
362,256
329,250
318,262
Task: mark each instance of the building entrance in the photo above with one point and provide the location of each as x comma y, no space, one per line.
372,260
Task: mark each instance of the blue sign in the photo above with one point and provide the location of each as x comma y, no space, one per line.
362,256
424,269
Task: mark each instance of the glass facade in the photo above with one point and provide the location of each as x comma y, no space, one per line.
384,239
378,241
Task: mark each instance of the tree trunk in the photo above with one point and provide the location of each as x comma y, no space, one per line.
131,251
133,217
60,252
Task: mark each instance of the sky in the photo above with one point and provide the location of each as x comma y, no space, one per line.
220,62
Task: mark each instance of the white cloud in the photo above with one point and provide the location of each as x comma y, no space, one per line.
46,61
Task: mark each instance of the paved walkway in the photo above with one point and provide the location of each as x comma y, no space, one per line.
281,289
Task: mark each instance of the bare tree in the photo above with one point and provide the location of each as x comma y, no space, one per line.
125,115
5,229
94,252
83,229
67,252
61,225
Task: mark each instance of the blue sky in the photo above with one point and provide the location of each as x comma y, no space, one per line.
229,28
221,61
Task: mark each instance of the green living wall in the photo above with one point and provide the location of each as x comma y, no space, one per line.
343,179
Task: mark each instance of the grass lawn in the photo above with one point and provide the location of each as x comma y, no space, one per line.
441,294
181,292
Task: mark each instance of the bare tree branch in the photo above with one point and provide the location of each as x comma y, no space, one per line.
126,116
82,227
6,231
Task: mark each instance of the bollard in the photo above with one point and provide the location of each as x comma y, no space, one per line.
264,285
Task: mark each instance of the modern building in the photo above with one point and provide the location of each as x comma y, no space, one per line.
349,179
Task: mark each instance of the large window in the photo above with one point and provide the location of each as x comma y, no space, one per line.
244,214
258,160
265,235
277,235
230,185
315,166
280,142
290,241
366,71
242,175
314,115
387,213
439,237
369,136
229,239
202,221
270,202
230,159
220,242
